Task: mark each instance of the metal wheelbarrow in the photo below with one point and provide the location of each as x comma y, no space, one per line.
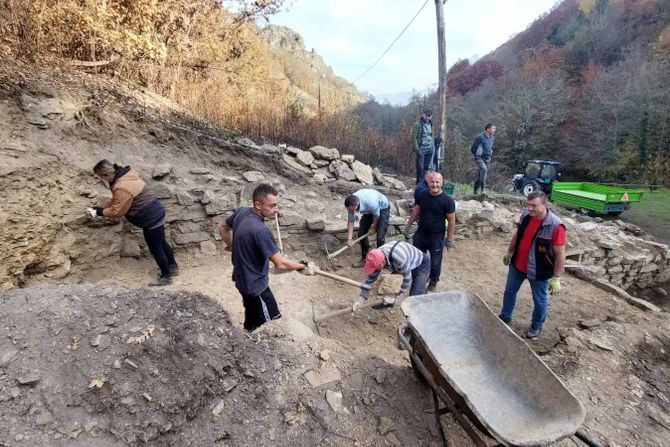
487,377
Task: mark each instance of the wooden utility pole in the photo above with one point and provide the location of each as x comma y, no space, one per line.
442,74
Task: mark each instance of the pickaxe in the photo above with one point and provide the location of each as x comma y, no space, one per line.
336,313
281,246
342,279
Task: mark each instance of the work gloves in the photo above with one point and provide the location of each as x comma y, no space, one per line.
360,300
507,258
449,245
555,285
310,268
92,212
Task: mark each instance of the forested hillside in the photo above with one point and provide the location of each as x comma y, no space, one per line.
586,84
209,56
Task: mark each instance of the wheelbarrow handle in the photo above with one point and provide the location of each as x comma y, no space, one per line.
579,434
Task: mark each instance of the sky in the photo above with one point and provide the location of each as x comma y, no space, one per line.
351,34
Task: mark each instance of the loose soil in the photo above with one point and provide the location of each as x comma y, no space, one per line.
611,355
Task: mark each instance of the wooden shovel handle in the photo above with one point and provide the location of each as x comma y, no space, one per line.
347,246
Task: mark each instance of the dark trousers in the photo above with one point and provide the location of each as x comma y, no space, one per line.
382,226
159,248
259,309
420,277
482,173
423,163
435,246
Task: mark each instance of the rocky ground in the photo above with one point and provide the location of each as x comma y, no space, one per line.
105,365
94,358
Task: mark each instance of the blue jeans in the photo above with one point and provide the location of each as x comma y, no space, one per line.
435,246
423,163
420,277
515,278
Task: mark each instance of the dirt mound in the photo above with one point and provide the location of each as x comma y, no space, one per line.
105,365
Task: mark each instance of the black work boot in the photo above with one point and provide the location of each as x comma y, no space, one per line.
174,271
163,280
381,306
506,320
533,333
432,285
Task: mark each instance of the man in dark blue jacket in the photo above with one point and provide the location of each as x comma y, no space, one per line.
482,149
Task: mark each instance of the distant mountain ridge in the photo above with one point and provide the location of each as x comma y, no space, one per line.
305,70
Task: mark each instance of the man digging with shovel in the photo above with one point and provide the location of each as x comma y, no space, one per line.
252,244
399,257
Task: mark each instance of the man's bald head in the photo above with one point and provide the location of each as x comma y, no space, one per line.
435,182
427,173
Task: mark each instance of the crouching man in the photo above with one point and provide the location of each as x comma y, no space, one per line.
398,257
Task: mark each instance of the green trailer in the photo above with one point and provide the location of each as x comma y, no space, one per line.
594,197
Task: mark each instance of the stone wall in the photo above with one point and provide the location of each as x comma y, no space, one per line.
326,165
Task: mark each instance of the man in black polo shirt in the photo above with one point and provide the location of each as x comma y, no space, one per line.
432,208
252,245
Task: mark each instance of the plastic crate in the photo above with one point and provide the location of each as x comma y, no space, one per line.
448,189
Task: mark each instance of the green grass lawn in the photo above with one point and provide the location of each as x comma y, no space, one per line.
652,214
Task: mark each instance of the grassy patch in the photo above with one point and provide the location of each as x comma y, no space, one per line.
652,214
461,189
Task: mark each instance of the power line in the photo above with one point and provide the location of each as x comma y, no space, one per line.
393,43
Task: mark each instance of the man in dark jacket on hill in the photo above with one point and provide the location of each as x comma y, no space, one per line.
423,143
482,149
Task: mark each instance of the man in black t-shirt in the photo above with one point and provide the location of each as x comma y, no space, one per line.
252,244
432,208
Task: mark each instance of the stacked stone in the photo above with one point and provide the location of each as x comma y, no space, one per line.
609,253
326,165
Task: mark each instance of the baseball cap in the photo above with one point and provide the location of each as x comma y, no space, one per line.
428,112
373,261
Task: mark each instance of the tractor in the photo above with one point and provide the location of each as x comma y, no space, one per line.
539,175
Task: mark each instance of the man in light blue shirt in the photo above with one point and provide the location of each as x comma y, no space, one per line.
375,210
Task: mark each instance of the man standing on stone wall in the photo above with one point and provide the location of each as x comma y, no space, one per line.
252,244
423,143
536,253
482,149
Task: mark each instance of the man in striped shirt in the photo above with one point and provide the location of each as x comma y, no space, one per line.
399,257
